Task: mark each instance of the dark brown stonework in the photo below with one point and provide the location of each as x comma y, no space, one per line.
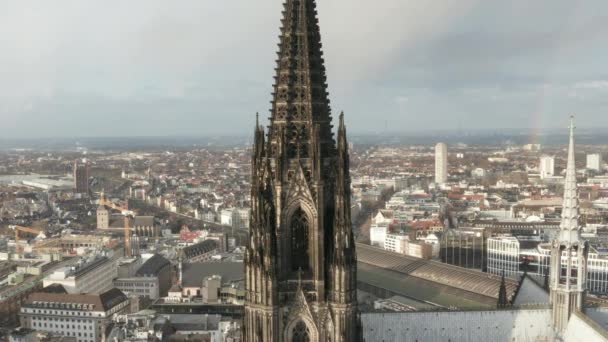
300,263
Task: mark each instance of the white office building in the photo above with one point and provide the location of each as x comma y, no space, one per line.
80,316
92,277
377,234
441,163
152,279
547,167
594,162
226,216
397,243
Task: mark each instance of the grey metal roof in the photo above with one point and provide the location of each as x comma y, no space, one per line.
461,326
55,288
104,301
199,248
86,268
419,289
112,298
152,266
469,280
193,274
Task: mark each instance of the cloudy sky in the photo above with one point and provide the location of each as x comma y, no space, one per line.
199,67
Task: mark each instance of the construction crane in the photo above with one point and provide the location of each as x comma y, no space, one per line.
25,230
29,230
127,215
124,210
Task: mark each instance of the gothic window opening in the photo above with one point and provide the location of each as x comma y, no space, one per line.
300,333
299,241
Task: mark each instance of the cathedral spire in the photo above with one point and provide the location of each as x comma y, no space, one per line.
570,227
342,131
300,228
343,232
300,99
569,253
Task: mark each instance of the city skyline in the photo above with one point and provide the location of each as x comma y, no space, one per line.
161,69
135,205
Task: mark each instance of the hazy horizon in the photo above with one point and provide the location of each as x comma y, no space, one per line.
198,68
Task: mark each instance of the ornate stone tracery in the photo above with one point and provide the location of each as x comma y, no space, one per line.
300,259
300,262
300,333
568,279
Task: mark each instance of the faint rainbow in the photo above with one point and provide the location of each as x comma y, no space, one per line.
544,115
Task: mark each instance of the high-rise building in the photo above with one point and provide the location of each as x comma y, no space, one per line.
547,166
568,282
81,178
441,163
300,263
594,162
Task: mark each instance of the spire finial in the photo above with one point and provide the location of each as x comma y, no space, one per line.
257,119
570,208
572,127
341,129
300,53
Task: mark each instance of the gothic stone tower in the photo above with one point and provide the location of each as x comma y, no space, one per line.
569,253
300,263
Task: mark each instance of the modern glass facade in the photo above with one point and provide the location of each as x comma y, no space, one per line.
503,256
506,253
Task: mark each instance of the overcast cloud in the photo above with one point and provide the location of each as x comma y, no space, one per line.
199,67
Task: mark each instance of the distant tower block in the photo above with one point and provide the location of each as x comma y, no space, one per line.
594,162
441,163
547,167
81,178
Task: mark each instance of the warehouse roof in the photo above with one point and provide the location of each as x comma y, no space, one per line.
476,282
199,248
152,266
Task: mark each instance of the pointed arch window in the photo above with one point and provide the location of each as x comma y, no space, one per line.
300,333
299,241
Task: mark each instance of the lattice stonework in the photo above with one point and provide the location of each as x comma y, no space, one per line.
300,333
301,250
